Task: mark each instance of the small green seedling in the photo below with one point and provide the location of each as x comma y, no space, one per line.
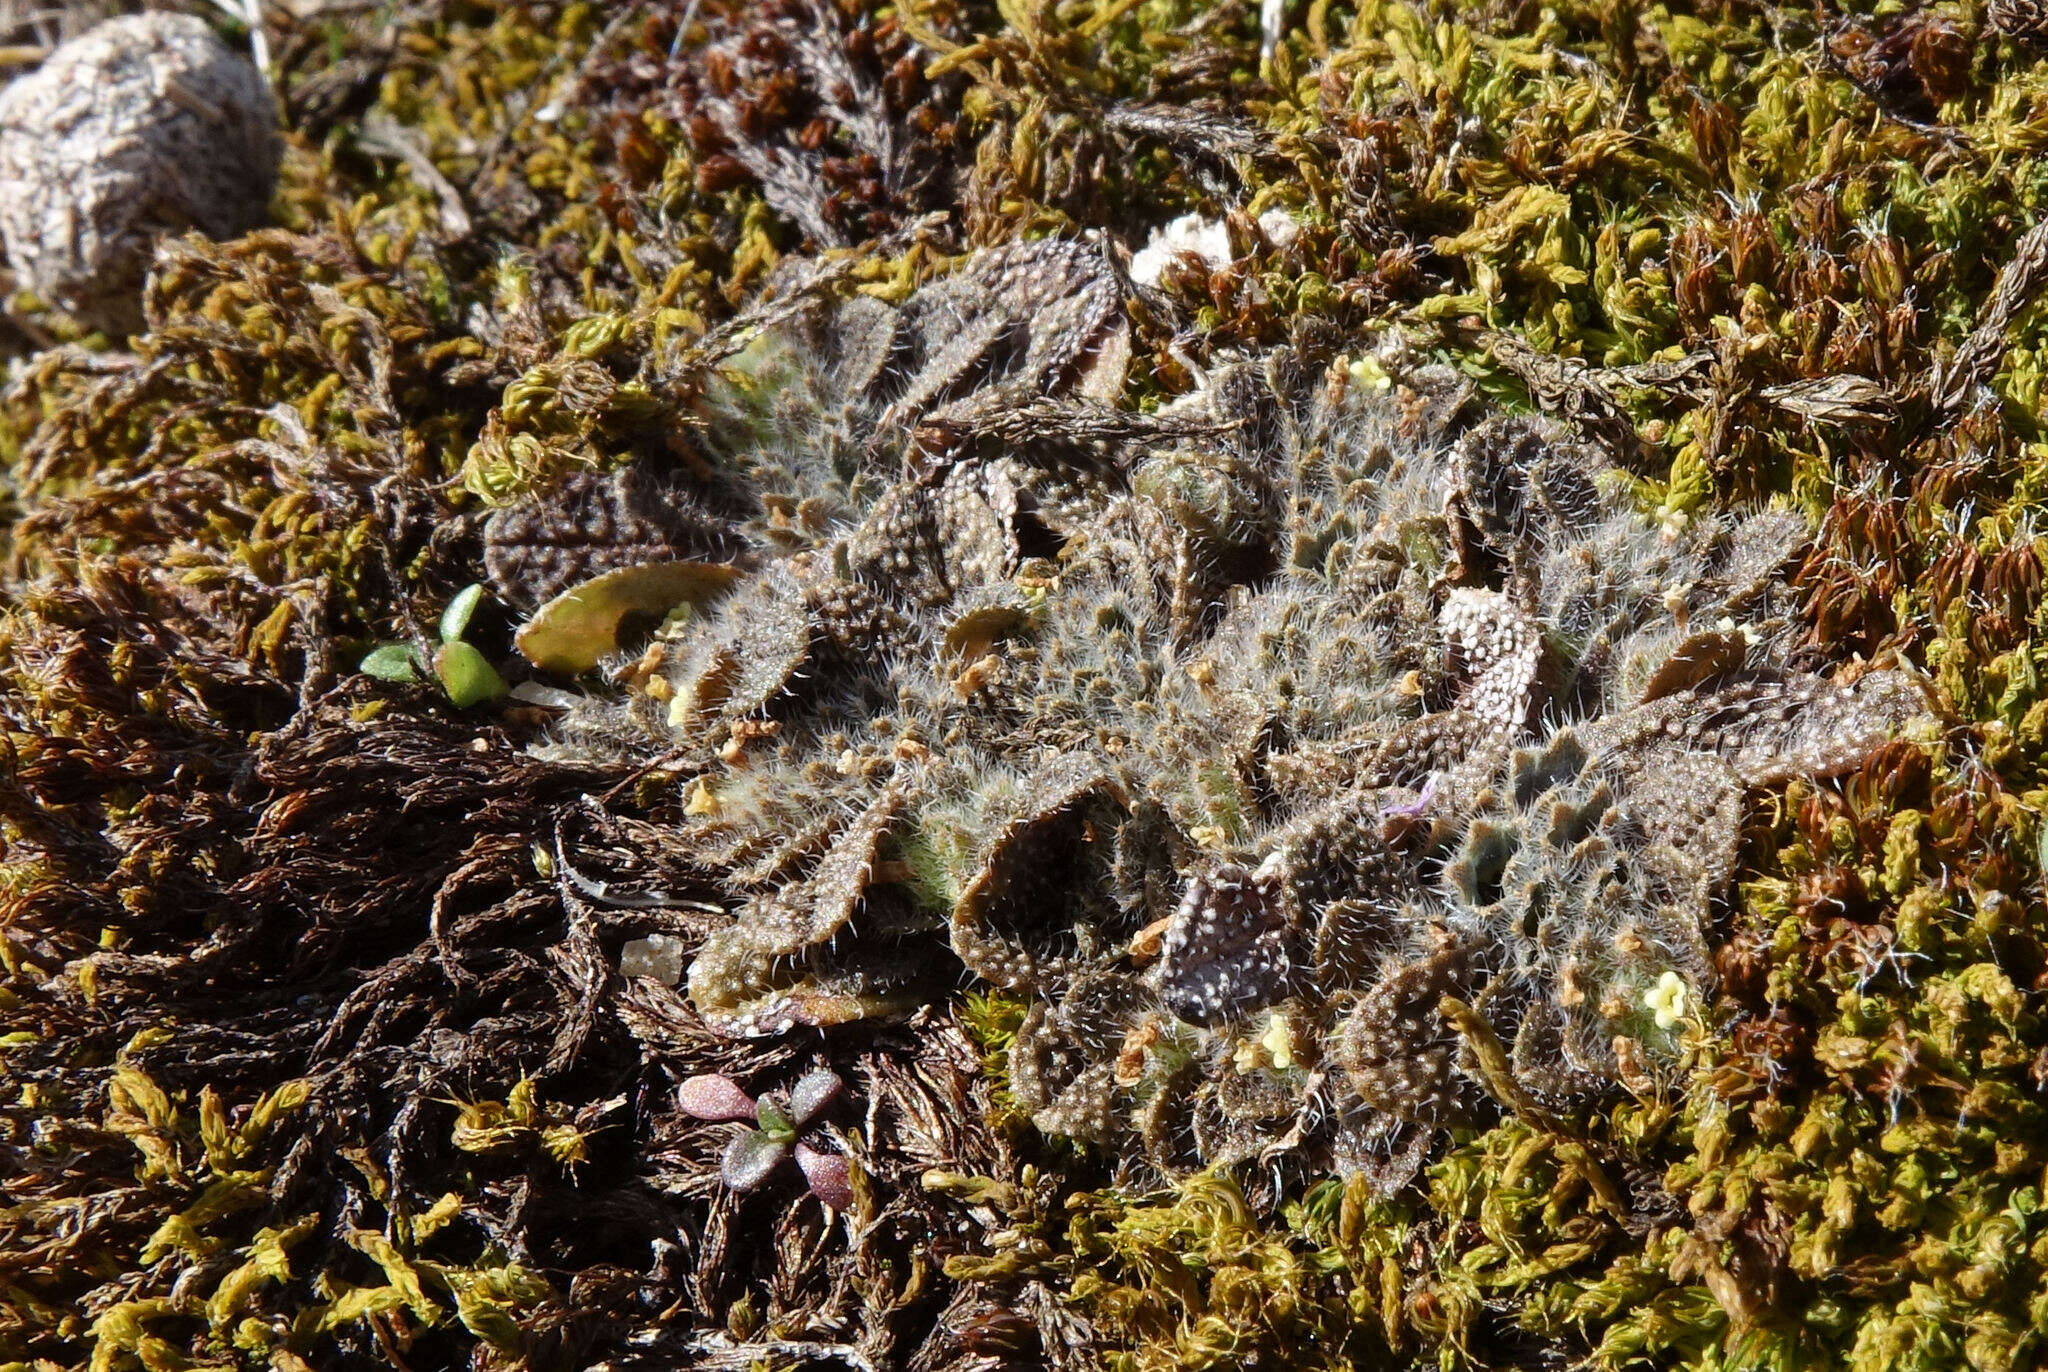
464,672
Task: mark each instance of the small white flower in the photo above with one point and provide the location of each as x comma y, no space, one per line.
1667,999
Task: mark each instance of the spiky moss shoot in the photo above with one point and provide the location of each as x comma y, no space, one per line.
1234,1294
208,1170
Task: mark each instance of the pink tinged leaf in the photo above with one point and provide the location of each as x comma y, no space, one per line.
714,1098
830,1175
750,1159
812,1096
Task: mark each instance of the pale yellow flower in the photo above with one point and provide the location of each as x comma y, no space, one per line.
1667,999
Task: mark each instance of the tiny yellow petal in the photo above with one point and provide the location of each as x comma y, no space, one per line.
1278,1041
1667,1000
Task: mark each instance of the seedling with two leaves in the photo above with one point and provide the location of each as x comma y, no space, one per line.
460,667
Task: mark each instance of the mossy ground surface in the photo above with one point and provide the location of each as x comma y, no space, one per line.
309,1060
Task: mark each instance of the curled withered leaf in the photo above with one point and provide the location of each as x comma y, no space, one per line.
823,904
1542,1061
1230,949
745,656
1059,1062
1394,1047
1834,399
1041,317
1590,396
1228,1136
742,991
1691,801
1771,731
1521,487
1699,661
1166,1121
1958,378
1014,920
1257,1097
1351,937
928,541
